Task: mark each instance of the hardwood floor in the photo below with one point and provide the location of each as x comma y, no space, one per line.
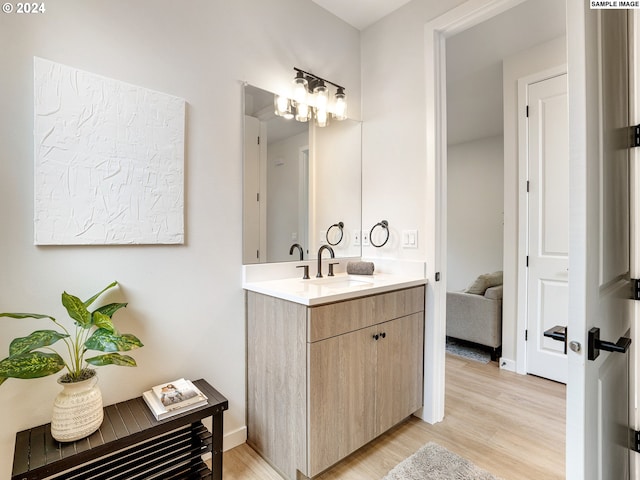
511,425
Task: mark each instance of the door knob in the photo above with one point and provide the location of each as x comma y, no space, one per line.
558,333
595,344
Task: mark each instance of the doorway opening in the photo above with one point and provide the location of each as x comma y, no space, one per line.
485,172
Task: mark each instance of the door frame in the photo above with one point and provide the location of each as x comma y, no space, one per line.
634,227
522,318
456,20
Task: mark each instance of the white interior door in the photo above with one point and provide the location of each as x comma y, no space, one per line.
548,228
597,390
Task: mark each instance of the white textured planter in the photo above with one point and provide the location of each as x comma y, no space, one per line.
77,410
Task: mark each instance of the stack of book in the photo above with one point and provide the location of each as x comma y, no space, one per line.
173,398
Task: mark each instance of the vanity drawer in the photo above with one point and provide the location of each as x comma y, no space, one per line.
333,319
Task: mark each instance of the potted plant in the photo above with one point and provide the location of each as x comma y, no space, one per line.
77,410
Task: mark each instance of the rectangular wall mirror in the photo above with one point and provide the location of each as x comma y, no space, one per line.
302,184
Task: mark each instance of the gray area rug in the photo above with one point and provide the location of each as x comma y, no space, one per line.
465,351
433,462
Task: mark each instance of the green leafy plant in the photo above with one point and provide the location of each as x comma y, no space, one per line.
33,357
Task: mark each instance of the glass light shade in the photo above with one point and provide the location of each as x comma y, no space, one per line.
321,94
322,118
302,112
300,85
282,106
340,108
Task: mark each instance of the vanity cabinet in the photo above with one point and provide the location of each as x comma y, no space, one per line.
325,380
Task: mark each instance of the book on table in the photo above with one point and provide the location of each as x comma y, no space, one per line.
174,397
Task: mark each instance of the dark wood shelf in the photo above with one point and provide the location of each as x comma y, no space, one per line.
130,444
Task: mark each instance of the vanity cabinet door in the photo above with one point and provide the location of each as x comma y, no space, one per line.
399,384
342,377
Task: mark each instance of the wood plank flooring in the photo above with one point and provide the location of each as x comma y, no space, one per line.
511,425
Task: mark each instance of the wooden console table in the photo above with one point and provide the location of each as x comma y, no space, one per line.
130,444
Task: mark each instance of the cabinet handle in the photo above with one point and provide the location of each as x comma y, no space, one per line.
383,334
376,336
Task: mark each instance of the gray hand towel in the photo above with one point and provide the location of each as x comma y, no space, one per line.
360,268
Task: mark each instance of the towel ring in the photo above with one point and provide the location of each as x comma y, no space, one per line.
385,225
339,225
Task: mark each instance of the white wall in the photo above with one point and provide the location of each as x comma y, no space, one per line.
394,128
536,59
185,302
474,210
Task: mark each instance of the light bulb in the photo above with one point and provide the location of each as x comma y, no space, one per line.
302,112
282,106
321,93
322,118
340,105
300,85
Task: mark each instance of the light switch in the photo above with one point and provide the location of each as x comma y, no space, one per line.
410,239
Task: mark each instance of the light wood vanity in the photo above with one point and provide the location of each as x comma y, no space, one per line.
323,380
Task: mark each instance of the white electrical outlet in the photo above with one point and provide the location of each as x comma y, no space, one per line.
365,239
356,238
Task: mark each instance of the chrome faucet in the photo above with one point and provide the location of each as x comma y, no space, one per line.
296,245
331,252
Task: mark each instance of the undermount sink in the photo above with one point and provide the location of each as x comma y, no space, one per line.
340,282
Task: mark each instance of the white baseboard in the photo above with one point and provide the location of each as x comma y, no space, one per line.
507,364
235,438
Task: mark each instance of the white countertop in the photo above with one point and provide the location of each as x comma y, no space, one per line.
316,291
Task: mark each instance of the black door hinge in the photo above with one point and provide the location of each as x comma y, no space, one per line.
635,289
527,261
526,335
635,440
527,111
527,186
635,136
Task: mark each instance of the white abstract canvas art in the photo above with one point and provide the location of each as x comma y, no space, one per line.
109,160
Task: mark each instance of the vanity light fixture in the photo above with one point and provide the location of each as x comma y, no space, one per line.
310,98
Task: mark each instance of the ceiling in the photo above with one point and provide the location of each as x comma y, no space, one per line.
361,13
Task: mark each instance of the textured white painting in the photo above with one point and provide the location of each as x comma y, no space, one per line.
109,160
